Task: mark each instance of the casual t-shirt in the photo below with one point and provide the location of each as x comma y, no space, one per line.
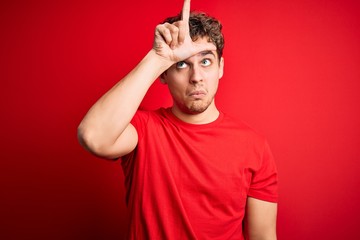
190,181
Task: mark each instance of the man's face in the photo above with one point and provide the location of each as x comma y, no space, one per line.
193,82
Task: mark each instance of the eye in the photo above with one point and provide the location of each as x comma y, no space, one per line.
181,65
206,62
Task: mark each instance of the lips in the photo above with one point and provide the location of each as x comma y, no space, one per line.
197,93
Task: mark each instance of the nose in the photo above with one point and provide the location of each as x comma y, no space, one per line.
196,74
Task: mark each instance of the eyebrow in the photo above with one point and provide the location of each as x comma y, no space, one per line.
206,52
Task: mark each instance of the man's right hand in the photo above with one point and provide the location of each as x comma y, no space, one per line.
173,41
106,130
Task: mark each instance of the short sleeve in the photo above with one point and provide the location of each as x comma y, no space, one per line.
264,182
139,121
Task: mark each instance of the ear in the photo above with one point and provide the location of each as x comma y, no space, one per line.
221,67
163,78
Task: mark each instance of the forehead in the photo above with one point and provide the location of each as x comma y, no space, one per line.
207,52
205,41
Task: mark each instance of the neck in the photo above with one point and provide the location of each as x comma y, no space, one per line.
208,116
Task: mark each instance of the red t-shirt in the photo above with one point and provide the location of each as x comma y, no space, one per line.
188,181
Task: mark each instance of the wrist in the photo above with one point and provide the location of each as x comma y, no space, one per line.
152,66
159,61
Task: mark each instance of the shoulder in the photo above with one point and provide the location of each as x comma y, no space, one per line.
146,114
143,118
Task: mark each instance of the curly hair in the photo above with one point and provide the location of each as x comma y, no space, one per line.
203,25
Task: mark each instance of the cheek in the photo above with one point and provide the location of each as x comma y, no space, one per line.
214,88
176,78
176,88
213,80
177,81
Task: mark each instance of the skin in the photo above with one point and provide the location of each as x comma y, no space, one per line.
193,84
192,72
260,220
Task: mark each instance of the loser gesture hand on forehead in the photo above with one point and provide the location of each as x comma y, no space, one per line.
173,41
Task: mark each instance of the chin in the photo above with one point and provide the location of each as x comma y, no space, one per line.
196,108
193,107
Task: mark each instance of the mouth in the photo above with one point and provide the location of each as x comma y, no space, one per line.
197,93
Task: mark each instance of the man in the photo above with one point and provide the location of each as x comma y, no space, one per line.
191,171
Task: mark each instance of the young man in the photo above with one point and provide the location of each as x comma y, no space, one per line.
191,171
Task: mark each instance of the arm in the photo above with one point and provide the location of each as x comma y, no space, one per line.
106,130
260,220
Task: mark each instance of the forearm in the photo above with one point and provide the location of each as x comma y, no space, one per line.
111,114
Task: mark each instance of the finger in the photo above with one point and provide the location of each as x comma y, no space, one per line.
186,11
174,32
182,31
164,33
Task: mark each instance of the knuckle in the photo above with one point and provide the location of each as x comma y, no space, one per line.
167,31
159,26
175,29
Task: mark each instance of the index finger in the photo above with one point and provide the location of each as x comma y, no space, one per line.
186,11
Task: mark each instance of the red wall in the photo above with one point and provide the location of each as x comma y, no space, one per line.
292,71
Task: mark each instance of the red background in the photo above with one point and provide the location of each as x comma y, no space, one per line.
292,71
